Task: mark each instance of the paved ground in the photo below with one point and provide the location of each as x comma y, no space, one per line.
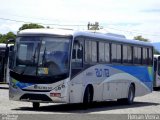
149,104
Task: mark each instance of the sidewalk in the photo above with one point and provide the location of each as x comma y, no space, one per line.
4,86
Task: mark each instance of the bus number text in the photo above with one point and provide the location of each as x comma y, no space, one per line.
102,72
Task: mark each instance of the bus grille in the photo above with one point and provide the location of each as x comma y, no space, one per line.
34,97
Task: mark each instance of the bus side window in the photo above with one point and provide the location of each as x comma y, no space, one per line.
77,54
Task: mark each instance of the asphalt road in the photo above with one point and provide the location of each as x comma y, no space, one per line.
148,104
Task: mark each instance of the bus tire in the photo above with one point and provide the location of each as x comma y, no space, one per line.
88,96
35,105
131,94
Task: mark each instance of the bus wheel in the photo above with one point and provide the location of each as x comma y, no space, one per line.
35,105
130,98
131,95
88,96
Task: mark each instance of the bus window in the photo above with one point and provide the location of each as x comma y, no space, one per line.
77,54
107,52
150,56
137,55
101,52
116,53
127,54
94,51
145,56
104,52
88,51
22,52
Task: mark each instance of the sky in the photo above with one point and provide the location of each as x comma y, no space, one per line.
127,17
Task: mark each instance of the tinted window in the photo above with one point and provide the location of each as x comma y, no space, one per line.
94,51
127,54
107,52
104,52
150,56
116,53
88,51
145,56
137,55
77,54
101,52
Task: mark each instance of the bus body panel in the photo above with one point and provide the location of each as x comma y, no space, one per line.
18,89
111,82
156,82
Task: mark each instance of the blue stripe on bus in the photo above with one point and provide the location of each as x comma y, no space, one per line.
140,72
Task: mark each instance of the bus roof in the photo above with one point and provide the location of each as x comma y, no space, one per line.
156,55
73,33
2,45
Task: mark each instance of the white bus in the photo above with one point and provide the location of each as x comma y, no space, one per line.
156,82
79,67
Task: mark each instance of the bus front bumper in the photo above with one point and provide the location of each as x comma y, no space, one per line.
42,97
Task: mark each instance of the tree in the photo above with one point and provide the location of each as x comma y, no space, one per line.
140,38
1,36
30,26
156,51
5,37
94,26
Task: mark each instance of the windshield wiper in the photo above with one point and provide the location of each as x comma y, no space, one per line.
44,57
34,56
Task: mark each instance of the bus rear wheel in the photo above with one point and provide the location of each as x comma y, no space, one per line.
35,105
88,96
131,94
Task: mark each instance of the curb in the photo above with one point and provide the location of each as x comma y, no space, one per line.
4,87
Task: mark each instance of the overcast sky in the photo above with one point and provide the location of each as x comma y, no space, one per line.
128,17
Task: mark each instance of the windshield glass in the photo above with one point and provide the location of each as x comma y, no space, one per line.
42,56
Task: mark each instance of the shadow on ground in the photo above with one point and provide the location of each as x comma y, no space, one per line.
156,89
79,108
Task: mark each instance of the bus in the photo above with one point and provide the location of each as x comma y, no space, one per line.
156,82
5,56
67,66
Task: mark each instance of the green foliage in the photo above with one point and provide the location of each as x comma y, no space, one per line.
140,38
11,35
5,37
94,26
1,36
156,51
30,26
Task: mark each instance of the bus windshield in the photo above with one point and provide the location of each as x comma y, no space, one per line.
42,56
